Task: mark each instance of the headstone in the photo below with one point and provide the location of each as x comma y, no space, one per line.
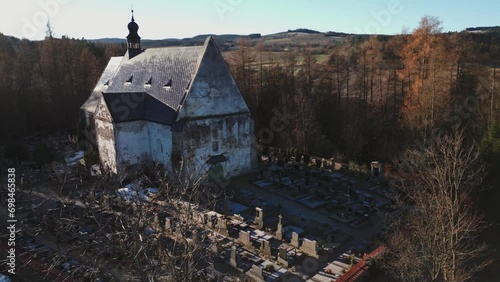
295,240
256,272
214,249
213,221
222,227
377,170
168,224
200,218
282,253
309,247
265,248
283,257
155,221
244,238
238,217
233,261
279,231
259,218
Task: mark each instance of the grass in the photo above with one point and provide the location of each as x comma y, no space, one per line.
277,57
300,39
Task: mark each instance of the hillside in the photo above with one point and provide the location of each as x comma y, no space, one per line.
276,42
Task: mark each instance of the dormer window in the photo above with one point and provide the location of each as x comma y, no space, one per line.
148,83
107,83
168,85
129,80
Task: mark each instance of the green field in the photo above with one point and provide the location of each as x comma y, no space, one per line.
277,57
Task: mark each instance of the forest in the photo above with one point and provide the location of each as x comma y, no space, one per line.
373,96
364,98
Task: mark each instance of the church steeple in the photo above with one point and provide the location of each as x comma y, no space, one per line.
133,38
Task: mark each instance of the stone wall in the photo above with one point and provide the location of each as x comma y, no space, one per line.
140,141
231,136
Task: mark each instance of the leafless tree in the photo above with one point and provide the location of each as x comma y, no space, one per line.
127,238
434,238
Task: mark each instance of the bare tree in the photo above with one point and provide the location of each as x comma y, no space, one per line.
243,68
132,235
434,237
159,251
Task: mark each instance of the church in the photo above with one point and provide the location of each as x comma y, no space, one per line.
178,107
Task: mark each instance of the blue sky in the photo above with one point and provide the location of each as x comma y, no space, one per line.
176,18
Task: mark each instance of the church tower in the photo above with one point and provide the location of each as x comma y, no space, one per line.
133,39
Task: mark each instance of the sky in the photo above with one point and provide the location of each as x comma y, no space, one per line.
159,19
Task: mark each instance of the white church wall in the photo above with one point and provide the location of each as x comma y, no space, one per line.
160,138
231,136
106,144
132,143
141,141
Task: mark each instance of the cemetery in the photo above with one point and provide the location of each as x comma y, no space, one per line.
298,218
312,220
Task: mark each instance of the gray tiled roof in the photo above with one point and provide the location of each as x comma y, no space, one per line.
159,66
91,104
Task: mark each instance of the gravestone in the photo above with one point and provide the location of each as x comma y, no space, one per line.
244,238
265,248
283,257
214,249
256,272
168,224
155,222
222,227
213,221
309,247
239,218
377,170
279,231
233,262
259,218
295,240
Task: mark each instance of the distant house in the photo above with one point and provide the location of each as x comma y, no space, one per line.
170,106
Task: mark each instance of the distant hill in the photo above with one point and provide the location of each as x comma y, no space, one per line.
288,39
227,42
222,40
483,29
304,30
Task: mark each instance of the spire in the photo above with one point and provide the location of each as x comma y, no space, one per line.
133,38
